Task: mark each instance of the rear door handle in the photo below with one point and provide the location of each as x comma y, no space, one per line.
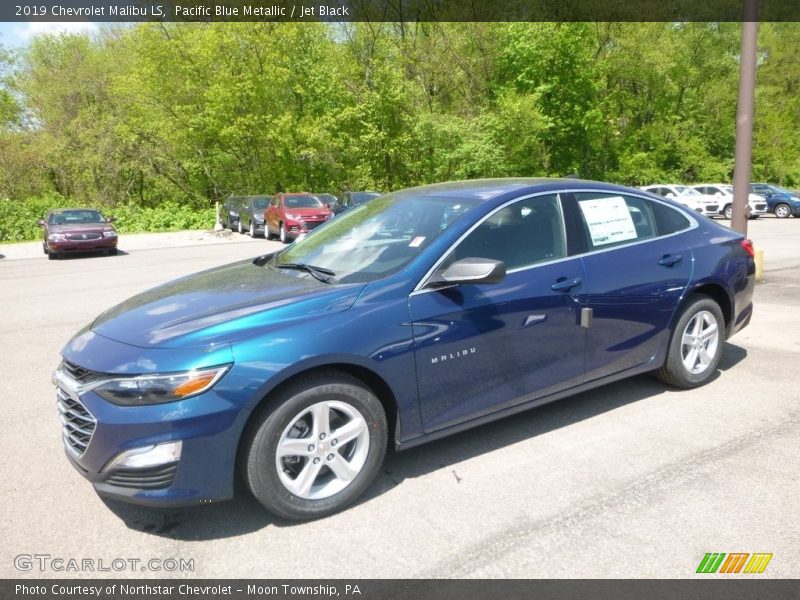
563,284
669,260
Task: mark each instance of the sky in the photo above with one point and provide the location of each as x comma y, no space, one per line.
14,35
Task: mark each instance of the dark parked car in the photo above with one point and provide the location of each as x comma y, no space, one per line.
780,201
230,213
291,215
251,214
328,200
76,230
419,314
350,199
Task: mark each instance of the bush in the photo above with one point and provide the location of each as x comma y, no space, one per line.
18,217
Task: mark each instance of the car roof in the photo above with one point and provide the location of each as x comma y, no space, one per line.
489,189
58,211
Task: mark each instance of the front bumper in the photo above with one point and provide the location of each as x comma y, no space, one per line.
95,432
78,246
298,228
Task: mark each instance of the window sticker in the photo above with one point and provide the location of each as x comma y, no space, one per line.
609,220
417,241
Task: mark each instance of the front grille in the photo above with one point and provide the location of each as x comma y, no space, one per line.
80,374
312,224
154,478
712,208
79,237
761,207
77,423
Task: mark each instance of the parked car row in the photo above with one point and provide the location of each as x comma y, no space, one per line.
716,199
286,216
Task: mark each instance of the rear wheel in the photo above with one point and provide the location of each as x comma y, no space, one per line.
317,448
696,344
783,211
112,251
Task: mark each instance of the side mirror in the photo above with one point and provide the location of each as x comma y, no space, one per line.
111,219
471,270
40,223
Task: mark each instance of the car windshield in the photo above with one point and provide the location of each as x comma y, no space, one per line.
376,239
780,190
361,197
302,202
686,191
75,217
262,202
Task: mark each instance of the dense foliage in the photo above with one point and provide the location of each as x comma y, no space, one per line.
144,114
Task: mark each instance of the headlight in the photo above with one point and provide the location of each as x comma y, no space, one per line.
109,234
56,237
293,216
158,389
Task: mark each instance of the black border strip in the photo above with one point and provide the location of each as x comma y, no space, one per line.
393,10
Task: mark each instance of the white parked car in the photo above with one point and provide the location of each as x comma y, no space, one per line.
706,205
724,193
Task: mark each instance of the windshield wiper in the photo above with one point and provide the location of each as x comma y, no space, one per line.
324,275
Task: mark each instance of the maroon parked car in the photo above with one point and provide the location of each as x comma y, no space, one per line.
73,230
291,215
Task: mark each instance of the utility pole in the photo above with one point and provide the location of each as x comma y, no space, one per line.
744,117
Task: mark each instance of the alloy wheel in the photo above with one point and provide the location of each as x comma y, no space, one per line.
322,450
699,342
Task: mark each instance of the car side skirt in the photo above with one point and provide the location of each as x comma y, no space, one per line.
651,365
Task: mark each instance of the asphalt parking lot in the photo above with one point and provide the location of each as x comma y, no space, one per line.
629,480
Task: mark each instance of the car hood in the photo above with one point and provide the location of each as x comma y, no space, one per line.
309,212
85,228
221,305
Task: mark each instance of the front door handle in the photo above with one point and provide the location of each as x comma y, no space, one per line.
669,260
564,284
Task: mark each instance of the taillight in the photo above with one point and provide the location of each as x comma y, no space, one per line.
748,247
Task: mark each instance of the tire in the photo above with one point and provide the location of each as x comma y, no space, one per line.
701,322
239,226
267,233
283,235
728,212
292,485
783,211
230,223
112,251
52,256
44,249
252,229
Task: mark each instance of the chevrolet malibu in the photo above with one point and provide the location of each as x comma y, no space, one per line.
416,315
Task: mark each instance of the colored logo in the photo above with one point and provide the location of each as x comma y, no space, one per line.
737,562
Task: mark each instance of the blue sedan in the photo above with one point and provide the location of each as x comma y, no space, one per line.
415,315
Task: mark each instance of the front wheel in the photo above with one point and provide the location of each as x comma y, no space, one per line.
728,212
283,235
696,344
252,229
783,211
239,226
317,448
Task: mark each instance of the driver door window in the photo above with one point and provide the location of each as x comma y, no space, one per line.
522,234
